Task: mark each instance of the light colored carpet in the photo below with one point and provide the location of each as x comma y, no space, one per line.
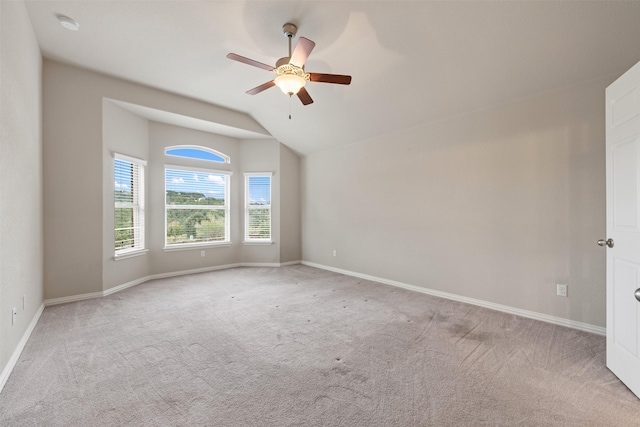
298,346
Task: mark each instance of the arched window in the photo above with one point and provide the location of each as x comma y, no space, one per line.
197,208
198,153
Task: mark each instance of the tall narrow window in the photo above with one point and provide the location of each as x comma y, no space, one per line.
196,206
129,204
257,219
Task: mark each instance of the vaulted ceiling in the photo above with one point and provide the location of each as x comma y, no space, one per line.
412,62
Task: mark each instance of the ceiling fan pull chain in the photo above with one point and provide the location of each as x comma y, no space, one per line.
290,95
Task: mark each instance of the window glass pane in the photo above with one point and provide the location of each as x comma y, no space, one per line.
196,207
259,223
129,206
195,153
123,181
124,228
195,225
259,190
257,207
194,188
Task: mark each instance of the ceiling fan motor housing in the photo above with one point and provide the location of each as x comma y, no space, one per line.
289,30
283,61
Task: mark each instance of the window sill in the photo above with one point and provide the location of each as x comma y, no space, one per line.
258,242
130,254
192,246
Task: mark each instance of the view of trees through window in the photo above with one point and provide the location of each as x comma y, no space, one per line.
195,206
129,205
260,223
124,227
194,225
258,207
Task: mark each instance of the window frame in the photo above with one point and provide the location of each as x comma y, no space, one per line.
226,208
138,206
248,208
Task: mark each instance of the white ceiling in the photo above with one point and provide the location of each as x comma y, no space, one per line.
412,62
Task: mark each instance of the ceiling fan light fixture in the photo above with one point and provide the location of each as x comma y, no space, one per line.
290,83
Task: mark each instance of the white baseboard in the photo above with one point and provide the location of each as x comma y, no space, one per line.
123,286
193,271
16,353
486,304
73,298
284,264
268,264
259,264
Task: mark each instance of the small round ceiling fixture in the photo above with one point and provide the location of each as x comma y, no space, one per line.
68,23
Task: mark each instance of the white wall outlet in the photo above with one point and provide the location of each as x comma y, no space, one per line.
202,253
335,253
561,290
14,315
24,302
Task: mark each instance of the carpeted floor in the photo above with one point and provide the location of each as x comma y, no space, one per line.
298,346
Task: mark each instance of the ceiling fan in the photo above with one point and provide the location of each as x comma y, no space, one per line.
290,74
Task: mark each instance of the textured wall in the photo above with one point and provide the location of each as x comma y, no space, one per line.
21,243
498,205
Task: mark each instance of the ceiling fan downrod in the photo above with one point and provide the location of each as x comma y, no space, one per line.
289,30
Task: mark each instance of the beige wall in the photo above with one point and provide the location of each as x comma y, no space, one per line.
72,172
20,175
290,229
498,205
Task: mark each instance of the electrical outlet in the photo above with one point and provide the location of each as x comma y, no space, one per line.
335,253
561,290
14,315
24,302
201,253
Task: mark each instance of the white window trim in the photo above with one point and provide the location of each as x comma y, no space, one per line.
118,156
192,169
227,210
140,194
130,254
247,240
193,246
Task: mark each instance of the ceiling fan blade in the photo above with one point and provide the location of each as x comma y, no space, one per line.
249,61
304,96
330,78
301,52
256,90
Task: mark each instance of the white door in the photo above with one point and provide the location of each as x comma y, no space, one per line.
623,228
